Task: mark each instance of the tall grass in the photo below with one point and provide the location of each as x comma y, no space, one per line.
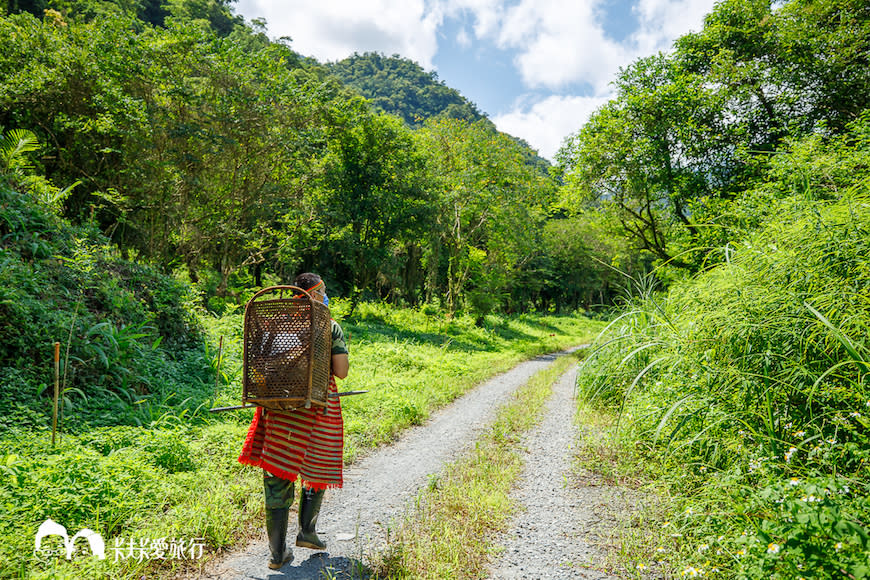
746,389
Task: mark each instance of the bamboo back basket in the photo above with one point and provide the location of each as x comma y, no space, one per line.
287,349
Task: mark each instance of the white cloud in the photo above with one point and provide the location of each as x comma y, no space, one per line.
546,123
462,38
487,14
560,42
662,21
334,29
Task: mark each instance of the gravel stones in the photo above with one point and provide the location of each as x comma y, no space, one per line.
380,486
548,538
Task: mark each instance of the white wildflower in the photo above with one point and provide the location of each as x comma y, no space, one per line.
773,548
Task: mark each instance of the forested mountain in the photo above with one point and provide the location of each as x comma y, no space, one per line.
401,87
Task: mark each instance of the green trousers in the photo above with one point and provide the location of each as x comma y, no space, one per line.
279,491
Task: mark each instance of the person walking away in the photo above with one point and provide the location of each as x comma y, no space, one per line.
305,444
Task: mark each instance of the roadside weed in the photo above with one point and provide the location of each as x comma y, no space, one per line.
742,381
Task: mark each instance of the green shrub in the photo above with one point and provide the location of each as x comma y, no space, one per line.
125,329
164,448
167,449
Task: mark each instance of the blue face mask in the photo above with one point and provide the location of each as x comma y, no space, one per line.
325,300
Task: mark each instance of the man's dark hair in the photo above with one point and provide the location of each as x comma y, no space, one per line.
307,281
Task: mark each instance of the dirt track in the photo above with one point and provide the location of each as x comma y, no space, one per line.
552,536
380,486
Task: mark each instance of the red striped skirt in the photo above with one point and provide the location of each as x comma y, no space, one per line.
304,443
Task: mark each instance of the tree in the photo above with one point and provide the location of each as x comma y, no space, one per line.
490,206
649,154
376,192
686,133
217,13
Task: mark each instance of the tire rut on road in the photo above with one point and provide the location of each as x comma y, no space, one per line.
550,538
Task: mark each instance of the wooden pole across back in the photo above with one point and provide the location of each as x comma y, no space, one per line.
56,390
237,407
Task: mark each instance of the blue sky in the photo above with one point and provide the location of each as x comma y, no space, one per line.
537,68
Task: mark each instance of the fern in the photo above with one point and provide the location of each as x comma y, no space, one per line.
15,144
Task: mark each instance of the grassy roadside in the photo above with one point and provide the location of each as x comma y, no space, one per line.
176,478
636,540
742,395
449,533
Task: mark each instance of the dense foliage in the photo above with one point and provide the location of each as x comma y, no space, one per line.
748,384
128,335
217,152
690,130
401,87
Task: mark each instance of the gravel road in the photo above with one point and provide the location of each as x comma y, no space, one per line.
548,539
380,486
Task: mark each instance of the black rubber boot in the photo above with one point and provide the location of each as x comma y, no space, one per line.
279,498
309,507
276,528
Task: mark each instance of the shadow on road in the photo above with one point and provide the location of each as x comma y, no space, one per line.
321,565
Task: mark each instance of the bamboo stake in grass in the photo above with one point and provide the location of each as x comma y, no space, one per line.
56,390
217,376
